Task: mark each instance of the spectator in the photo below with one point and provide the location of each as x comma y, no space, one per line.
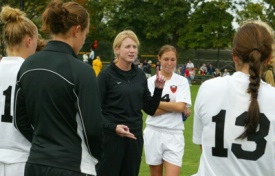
163,135
179,71
217,73
57,99
225,73
192,74
190,64
144,64
20,36
187,75
210,69
85,58
91,57
97,65
124,93
137,61
203,69
147,69
236,131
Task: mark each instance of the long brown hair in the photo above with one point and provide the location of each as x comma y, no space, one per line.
252,44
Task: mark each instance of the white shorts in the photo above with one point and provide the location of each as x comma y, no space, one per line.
161,144
15,169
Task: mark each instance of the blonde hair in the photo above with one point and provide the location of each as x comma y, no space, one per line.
268,70
121,37
268,74
16,26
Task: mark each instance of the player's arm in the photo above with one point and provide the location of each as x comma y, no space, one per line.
90,109
182,99
159,112
21,119
197,121
172,106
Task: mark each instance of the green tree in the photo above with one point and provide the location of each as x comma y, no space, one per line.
156,22
251,11
269,10
210,26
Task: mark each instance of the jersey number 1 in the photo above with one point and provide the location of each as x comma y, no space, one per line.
237,150
7,111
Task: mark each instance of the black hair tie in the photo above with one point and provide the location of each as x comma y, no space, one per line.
255,49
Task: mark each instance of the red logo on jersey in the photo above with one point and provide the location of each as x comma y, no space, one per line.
173,88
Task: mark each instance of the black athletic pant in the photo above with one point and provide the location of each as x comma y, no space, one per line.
121,156
41,170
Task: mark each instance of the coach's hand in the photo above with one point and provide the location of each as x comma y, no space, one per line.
160,80
124,131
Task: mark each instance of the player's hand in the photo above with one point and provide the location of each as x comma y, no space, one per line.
160,80
187,111
124,131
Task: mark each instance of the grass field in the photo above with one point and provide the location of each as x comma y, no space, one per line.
192,151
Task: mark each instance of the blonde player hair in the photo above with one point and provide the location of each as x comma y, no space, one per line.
16,27
120,38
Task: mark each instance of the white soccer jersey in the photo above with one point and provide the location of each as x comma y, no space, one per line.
14,148
220,109
176,89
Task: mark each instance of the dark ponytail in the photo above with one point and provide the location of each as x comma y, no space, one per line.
252,44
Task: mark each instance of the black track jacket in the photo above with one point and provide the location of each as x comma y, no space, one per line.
123,95
57,108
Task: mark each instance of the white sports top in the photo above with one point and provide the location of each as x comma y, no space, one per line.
220,108
14,147
176,89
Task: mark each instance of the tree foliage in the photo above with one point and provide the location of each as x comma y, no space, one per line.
209,27
269,9
156,22
251,11
182,23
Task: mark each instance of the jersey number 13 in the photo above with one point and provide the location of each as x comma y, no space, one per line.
220,151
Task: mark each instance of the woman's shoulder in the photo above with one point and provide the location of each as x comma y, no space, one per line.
215,83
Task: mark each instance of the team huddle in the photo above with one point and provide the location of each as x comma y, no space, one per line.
59,118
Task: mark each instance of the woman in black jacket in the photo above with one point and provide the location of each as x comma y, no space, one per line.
57,99
124,94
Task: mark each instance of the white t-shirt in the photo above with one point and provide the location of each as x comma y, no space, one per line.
220,108
14,147
85,58
189,65
177,89
92,55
